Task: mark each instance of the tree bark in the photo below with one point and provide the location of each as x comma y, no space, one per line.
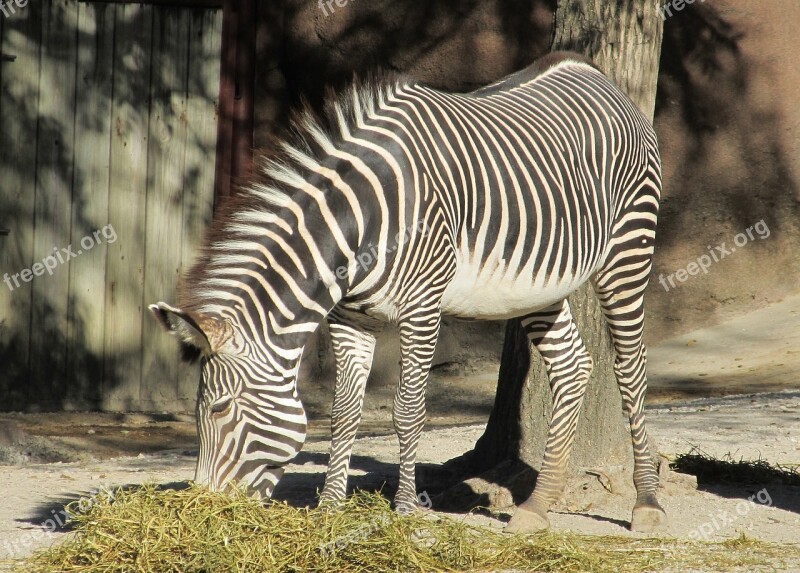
623,38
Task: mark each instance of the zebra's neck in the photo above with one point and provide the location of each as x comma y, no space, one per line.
275,267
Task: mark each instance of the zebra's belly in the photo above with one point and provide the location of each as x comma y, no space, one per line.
472,294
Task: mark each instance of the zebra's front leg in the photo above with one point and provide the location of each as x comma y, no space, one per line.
568,365
418,335
353,348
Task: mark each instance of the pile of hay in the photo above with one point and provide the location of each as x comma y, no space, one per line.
727,469
193,530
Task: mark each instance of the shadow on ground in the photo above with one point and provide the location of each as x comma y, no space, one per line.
753,481
298,489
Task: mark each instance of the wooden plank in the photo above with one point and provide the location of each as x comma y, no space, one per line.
164,226
226,107
86,323
243,114
55,154
199,172
4,58
166,3
19,101
126,207
236,93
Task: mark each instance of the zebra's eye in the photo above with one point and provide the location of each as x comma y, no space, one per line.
221,407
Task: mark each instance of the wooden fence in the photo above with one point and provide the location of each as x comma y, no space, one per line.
107,138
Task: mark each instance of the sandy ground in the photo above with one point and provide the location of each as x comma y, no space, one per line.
760,351
757,352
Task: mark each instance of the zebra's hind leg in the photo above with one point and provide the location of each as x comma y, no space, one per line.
621,296
418,334
353,347
568,365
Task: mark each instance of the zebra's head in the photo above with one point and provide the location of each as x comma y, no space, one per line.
250,420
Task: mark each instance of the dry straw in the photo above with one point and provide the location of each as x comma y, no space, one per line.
196,531
728,469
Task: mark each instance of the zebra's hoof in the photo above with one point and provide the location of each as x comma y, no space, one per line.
648,518
526,521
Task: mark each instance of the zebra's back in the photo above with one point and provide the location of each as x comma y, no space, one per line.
525,177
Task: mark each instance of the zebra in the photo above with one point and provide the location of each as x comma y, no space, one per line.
403,203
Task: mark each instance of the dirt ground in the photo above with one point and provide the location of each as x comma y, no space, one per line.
51,459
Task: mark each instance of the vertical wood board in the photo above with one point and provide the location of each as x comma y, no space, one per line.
86,324
53,203
107,152
126,206
19,102
199,170
164,226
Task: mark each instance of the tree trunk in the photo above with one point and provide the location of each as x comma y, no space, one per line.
623,38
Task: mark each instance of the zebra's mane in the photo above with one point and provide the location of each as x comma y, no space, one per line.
278,167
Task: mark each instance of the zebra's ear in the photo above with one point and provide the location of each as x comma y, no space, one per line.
182,325
207,334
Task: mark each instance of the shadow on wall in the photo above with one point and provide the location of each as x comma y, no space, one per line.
717,117
451,44
105,125
719,122
724,170
37,174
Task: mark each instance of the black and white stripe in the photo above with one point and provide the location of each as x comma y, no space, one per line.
405,204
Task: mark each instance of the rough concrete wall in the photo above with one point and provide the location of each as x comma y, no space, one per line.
729,130
726,119
451,44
